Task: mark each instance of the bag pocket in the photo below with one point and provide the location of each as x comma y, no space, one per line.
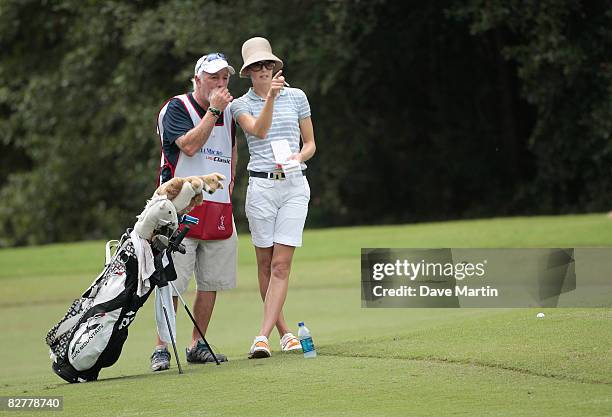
215,221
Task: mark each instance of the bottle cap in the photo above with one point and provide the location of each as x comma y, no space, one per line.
301,323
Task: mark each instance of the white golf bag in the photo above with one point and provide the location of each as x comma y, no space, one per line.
91,334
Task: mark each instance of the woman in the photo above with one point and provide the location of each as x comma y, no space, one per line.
276,204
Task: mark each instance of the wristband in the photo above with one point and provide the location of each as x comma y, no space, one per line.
216,112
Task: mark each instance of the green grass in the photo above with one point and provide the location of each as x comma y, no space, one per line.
372,362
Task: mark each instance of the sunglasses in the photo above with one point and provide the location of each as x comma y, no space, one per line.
214,56
258,66
211,57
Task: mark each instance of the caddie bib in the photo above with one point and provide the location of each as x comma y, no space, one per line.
215,214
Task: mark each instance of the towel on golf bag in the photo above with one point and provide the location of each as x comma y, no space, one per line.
92,333
146,265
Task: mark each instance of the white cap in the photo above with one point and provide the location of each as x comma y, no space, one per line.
212,63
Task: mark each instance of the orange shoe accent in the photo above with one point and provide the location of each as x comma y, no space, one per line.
260,349
289,342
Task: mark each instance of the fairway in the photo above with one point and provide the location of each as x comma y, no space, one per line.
372,362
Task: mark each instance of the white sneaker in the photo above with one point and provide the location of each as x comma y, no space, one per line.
289,342
260,348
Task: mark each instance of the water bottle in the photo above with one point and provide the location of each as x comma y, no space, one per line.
306,341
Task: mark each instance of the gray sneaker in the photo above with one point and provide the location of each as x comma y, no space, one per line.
200,354
160,359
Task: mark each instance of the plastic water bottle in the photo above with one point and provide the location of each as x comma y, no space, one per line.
308,346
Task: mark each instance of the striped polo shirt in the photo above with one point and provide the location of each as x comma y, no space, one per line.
290,106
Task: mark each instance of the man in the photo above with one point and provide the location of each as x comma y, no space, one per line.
198,137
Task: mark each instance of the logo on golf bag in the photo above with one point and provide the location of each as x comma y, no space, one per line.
221,223
88,334
129,317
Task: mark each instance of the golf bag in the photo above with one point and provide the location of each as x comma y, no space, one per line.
92,333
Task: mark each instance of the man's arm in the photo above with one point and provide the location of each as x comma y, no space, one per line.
192,141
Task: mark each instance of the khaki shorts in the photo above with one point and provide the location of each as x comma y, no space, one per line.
212,261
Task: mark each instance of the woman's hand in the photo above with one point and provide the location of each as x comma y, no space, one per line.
297,156
278,82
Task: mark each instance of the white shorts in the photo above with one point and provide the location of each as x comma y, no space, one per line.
212,261
276,210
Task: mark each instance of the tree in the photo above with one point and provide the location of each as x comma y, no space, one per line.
422,110
562,50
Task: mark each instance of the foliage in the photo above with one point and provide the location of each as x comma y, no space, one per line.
563,52
421,110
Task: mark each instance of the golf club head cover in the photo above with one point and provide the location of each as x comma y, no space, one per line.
175,198
158,212
186,193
